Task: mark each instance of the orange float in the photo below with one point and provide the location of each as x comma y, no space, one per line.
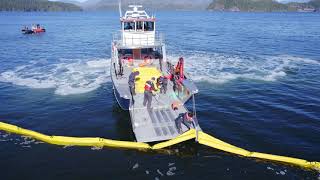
146,61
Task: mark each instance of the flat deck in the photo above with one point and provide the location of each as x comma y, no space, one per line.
158,122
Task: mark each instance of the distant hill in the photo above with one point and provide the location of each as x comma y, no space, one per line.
262,6
314,4
150,4
70,2
82,4
36,5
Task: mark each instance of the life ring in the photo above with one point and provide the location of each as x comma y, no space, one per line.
142,64
146,61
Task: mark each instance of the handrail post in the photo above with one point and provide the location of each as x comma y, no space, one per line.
195,116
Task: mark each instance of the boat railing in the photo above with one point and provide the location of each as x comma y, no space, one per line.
138,39
184,90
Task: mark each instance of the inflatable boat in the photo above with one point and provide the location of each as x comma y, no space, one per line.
33,30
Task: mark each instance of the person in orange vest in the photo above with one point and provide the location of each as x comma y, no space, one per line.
188,119
148,88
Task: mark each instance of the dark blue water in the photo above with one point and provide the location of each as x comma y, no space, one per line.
258,75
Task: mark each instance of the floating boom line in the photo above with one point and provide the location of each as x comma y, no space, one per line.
202,138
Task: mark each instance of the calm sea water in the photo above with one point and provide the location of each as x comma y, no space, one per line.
259,81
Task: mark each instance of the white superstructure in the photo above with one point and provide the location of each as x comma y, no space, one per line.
137,29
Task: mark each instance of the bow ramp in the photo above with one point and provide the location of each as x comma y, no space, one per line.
158,122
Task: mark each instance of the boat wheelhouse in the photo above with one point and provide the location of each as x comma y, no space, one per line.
139,47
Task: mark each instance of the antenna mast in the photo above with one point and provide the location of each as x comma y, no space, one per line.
120,9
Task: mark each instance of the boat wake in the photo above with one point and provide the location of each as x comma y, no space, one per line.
221,68
67,77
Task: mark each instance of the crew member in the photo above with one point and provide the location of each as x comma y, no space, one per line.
187,119
176,84
159,83
148,88
131,82
162,83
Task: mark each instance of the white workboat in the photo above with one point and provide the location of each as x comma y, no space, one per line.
139,47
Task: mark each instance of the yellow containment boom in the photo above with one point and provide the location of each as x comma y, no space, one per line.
208,140
202,138
73,141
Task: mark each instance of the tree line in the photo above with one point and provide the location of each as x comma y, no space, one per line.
36,5
261,5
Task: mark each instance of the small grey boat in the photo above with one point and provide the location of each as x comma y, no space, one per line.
139,47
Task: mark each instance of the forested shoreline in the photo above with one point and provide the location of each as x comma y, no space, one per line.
36,5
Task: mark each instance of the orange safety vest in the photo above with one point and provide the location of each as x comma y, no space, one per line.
147,87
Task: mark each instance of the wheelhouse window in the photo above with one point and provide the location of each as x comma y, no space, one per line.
146,50
148,26
139,26
129,26
125,52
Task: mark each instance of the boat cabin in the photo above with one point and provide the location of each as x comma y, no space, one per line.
137,27
137,43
